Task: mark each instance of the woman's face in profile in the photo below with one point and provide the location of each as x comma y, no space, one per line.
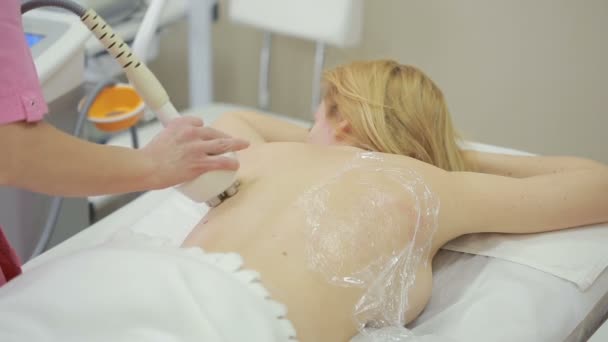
322,132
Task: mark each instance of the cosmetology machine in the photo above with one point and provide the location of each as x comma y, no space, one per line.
57,41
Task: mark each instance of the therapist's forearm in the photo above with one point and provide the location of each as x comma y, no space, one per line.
40,158
525,166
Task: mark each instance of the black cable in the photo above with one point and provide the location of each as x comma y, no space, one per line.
65,4
134,137
51,221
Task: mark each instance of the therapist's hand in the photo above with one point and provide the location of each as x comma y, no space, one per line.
186,149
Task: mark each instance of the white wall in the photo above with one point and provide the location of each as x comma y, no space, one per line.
525,74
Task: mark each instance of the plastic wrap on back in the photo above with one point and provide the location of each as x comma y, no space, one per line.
371,227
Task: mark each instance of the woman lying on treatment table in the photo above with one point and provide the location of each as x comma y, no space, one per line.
341,224
342,221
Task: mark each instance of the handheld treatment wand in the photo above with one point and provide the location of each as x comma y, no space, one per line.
211,187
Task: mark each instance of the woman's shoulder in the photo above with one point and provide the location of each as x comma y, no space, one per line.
301,149
339,157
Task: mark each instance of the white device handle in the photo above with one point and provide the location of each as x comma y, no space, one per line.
142,79
208,186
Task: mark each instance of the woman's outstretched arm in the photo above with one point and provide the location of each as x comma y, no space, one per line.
541,194
524,166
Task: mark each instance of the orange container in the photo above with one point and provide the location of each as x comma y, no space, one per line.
116,108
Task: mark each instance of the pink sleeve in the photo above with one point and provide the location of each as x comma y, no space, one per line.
20,94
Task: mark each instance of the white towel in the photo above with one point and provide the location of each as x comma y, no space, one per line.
140,290
578,255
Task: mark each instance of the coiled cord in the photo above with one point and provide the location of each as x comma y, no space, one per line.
65,4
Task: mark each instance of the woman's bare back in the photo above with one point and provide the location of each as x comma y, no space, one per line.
328,228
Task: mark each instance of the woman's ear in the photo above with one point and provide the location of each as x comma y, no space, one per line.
342,129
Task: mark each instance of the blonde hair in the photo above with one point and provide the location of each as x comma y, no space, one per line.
393,108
